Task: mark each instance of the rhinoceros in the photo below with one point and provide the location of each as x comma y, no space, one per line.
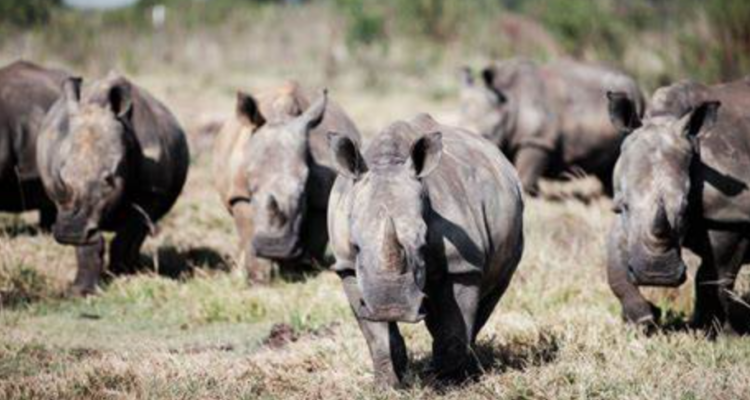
682,182
426,224
112,158
27,91
274,175
551,120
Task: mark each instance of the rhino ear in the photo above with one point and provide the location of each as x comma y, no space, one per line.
700,117
426,153
347,159
623,112
248,109
71,88
313,116
120,98
488,78
466,76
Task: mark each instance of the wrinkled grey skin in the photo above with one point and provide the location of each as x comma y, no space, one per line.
682,182
112,158
27,91
274,174
550,120
428,223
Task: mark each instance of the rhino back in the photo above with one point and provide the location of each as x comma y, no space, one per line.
578,92
27,91
724,169
165,155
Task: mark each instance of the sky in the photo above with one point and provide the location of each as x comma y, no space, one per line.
98,3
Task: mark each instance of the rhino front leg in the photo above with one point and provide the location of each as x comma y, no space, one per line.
386,345
90,260
126,246
47,217
531,163
451,319
635,308
258,270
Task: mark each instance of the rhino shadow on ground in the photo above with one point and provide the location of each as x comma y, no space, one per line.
490,358
17,228
175,263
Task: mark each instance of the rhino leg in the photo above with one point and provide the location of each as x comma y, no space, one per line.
451,321
531,163
258,270
90,265
386,345
125,248
316,236
635,308
47,217
715,300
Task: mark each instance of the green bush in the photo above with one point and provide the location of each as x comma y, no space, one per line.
26,13
730,23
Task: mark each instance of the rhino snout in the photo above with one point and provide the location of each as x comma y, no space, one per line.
670,276
74,228
392,301
277,248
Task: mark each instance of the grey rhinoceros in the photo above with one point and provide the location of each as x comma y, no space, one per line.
428,223
112,158
273,172
682,182
27,91
550,120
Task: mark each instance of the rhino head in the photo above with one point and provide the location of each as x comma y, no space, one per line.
652,187
277,175
388,232
92,169
485,109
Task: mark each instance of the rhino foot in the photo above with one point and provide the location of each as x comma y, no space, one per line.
81,290
259,271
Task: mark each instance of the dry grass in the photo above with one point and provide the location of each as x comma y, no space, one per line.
557,333
190,328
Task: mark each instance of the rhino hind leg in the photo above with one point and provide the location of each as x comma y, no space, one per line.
716,302
708,313
531,163
90,260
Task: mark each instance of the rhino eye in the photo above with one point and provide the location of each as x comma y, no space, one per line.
620,207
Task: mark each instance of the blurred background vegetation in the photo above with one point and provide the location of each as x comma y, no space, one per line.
656,40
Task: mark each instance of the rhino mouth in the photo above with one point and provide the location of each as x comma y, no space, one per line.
670,279
393,313
399,300
75,231
282,248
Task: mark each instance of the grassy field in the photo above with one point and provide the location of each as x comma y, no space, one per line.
189,327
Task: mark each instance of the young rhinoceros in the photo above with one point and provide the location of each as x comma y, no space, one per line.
274,175
112,158
428,223
27,91
550,120
682,181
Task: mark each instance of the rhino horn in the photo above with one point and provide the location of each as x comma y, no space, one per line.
661,227
392,251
